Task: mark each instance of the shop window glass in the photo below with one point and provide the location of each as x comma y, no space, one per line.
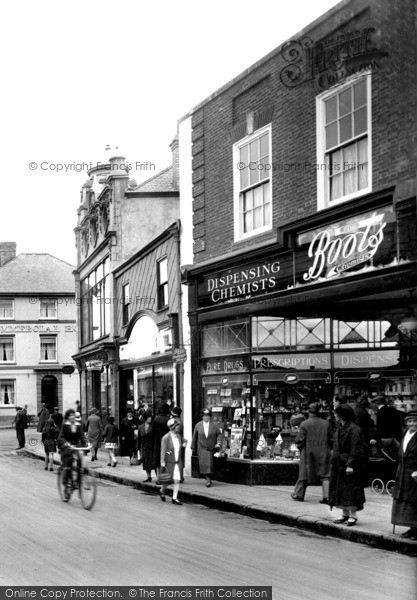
280,334
225,338
279,408
230,405
363,334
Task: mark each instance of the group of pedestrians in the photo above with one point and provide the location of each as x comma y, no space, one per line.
338,457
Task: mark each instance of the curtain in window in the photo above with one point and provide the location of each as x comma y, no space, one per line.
6,349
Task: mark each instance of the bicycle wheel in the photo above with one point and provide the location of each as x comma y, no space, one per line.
87,488
390,486
378,486
64,487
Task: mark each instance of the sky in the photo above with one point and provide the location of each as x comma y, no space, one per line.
80,75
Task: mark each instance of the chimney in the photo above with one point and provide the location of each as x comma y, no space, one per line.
175,162
7,252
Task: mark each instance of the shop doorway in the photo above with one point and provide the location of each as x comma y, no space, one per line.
49,392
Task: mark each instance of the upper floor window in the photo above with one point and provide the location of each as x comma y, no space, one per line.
162,283
6,349
6,309
252,184
48,348
126,303
7,393
96,303
49,309
344,143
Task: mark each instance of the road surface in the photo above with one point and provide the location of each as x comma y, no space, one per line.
131,538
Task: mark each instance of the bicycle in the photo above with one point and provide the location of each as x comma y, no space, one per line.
77,477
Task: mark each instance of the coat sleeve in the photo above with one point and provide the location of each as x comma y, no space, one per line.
194,440
164,444
219,436
301,437
355,457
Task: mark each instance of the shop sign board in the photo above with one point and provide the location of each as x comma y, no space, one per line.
251,280
68,369
366,359
318,360
367,240
94,365
179,356
231,364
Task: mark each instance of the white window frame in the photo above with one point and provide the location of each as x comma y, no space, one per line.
237,199
13,361
43,360
10,381
7,300
50,300
323,191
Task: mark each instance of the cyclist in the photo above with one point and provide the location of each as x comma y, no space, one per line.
71,434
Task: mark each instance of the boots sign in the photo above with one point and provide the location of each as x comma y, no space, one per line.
348,245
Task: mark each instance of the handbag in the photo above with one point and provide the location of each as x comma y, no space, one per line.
164,477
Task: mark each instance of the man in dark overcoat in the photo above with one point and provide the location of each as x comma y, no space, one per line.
21,424
404,505
206,438
389,420
314,442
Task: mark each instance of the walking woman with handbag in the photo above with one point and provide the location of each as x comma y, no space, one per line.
171,461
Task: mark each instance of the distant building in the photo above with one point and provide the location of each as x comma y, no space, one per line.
116,219
37,332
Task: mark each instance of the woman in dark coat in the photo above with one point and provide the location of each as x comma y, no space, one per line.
128,426
146,444
159,430
207,437
348,467
43,415
404,505
94,429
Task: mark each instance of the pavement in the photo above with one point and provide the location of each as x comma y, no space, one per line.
267,502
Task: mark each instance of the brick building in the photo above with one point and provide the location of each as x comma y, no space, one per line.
37,333
302,173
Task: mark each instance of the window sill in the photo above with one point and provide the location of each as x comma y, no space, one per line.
49,362
7,363
261,237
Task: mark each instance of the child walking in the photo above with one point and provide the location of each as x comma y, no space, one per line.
50,434
110,436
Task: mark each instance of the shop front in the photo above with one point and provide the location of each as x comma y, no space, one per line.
147,372
97,382
330,310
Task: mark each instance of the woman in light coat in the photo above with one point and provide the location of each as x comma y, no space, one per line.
171,446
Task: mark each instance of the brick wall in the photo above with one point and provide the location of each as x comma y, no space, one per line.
220,121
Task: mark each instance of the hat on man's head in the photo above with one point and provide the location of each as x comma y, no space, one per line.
313,408
77,416
206,411
172,423
378,400
176,411
411,415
